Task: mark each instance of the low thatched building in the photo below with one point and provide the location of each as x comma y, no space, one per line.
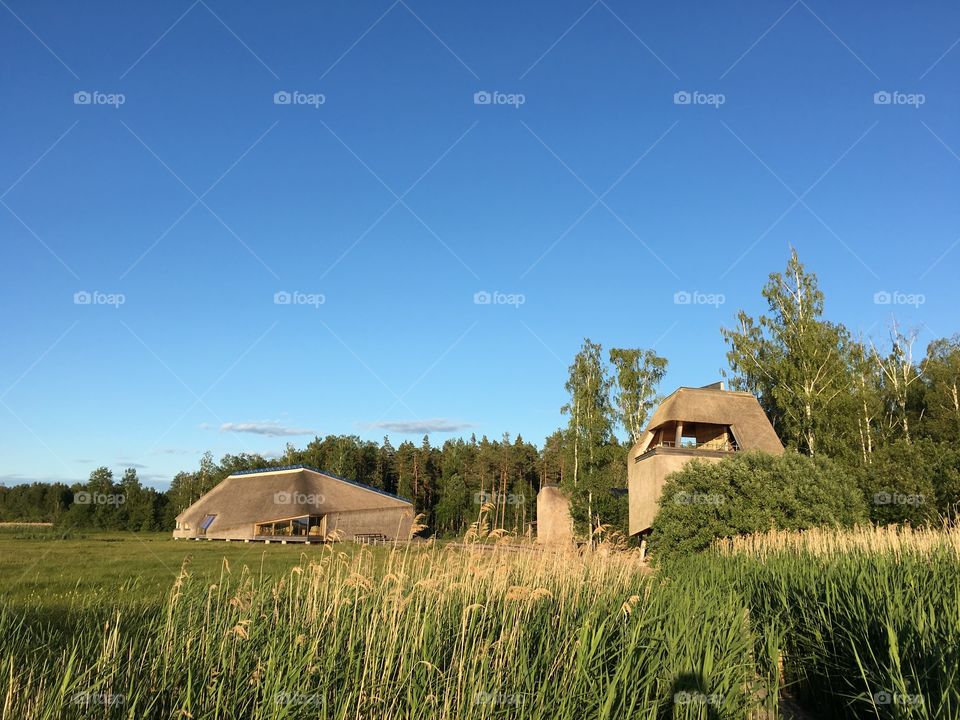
705,423
295,504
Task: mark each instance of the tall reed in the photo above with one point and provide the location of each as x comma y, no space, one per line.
436,633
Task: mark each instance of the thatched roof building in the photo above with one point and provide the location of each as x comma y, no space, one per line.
705,423
295,504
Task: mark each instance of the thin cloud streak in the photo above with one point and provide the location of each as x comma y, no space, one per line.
411,427
266,427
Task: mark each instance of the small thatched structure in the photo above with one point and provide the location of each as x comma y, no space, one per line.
295,504
705,423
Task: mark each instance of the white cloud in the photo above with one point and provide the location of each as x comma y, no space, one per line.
270,428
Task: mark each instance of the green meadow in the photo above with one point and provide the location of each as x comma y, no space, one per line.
42,569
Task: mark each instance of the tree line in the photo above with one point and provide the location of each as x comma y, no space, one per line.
830,391
101,503
880,412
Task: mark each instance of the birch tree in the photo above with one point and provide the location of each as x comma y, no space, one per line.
866,399
942,397
638,376
795,362
590,425
899,375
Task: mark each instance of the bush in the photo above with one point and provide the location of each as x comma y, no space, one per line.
752,492
914,482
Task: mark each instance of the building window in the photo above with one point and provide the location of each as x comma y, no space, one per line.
206,523
301,526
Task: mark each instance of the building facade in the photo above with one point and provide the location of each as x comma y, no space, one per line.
707,423
295,504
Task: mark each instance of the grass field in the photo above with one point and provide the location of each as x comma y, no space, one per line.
110,626
40,570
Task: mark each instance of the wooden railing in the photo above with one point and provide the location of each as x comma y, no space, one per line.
370,538
729,446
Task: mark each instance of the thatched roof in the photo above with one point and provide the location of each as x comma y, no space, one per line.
273,493
714,405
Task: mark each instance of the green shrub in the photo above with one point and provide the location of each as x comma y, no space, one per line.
916,482
751,492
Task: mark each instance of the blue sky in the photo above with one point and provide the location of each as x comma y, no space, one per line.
629,152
